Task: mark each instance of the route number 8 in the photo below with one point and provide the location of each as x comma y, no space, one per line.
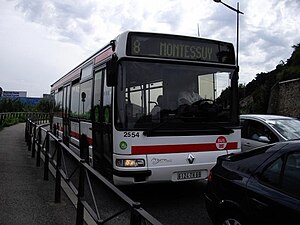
136,46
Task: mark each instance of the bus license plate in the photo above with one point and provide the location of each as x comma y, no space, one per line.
188,175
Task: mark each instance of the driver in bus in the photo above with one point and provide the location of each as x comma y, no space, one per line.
157,107
189,95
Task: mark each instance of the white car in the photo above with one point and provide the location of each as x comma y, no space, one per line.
259,130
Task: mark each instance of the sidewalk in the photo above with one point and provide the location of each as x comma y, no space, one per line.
25,198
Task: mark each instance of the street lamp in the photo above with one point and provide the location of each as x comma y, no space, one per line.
237,26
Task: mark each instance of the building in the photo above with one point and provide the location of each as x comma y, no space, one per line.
19,96
14,94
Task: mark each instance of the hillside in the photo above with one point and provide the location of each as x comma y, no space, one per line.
263,85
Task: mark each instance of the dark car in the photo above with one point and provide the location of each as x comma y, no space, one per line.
261,186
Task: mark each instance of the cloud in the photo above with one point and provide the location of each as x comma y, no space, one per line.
172,15
268,29
68,20
51,12
29,60
293,4
68,31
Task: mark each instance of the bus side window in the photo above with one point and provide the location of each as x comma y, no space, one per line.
107,98
97,95
75,100
85,103
58,103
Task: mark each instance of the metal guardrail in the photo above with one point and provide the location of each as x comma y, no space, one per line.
87,183
40,117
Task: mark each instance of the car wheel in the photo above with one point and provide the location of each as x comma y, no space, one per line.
230,219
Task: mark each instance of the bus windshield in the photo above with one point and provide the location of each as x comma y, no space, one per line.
171,96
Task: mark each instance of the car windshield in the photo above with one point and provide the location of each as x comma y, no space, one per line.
170,96
288,128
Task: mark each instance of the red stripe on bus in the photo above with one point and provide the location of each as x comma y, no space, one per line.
107,53
74,134
156,149
70,76
90,141
77,136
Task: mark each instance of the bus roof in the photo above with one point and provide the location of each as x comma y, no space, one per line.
157,45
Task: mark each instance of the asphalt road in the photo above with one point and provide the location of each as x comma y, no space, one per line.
170,203
173,204
25,198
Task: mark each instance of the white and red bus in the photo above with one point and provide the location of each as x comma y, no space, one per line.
112,96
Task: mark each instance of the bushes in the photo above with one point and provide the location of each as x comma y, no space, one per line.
12,109
10,121
11,105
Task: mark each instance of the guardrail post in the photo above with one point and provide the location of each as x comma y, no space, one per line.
58,175
135,218
38,153
33,141
29,137
26,131
46,163
80,195
55,130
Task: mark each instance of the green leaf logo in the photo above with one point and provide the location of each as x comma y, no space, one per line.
123,145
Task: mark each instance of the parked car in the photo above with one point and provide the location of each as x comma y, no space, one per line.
256,187
259,130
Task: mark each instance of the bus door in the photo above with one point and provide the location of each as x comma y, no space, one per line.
102,124
65,114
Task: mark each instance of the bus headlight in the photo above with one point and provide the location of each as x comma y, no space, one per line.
130,162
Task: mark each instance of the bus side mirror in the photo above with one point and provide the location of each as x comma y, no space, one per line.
112,74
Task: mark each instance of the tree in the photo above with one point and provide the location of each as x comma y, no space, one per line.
11,105
259,88
45,105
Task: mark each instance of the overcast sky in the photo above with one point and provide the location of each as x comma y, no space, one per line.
41,40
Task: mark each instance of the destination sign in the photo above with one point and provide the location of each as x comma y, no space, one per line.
179,47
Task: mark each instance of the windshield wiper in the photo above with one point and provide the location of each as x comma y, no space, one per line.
150,132
204,129
224,129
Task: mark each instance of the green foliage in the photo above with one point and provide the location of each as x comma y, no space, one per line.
45,105
14,105
11,121
295,58
261,96
11,105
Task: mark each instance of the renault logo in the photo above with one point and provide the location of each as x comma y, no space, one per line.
190,158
